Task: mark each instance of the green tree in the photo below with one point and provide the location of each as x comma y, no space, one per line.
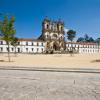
91,39
0,27
97,40
14,43
70,36
86,38
80,39
7,31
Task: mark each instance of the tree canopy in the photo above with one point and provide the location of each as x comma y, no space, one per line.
80,39
97,40
86,38
71,35
7,31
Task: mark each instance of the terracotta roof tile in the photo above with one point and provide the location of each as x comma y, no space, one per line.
29,39
25,39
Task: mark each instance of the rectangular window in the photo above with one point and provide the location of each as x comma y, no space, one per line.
42,49
68,45
37,44
12,49
26,49
26,43
32,49
42,44
32,44
18,43
7,48
1,49
37,49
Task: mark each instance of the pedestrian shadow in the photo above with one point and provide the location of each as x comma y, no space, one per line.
2,60
97,60
5,61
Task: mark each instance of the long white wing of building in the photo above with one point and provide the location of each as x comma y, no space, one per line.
29,45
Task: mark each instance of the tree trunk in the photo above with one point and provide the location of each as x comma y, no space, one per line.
8,53
71,48
15,51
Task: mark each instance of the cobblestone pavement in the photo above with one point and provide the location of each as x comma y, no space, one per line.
42,85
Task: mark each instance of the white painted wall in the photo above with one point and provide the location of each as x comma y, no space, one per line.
39,47
85,48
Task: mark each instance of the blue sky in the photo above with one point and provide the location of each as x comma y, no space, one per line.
81,15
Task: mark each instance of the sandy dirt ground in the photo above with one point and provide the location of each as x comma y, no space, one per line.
54,60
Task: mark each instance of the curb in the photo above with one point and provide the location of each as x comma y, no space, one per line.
75,70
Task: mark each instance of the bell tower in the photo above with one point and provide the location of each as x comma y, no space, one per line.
45,25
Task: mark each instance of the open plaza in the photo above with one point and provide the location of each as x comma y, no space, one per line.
52,60
49,49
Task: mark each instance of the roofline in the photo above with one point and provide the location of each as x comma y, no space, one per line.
83,43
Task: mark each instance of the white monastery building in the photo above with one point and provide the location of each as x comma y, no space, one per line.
24,45
52,40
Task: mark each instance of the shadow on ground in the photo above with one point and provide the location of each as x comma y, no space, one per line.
5,61
97,60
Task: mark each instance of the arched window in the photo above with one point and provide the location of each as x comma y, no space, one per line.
42,49
47,26
47,36
61,37
61,28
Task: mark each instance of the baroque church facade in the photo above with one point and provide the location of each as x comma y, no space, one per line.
53,35
51,40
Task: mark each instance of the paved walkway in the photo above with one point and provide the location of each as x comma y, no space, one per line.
43,85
